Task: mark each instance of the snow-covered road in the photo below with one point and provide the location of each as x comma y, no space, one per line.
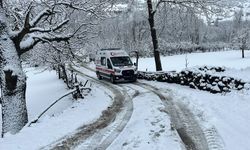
149,127
200,120
156,121
104,130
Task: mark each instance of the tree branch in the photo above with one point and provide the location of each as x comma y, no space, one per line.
45,12
33,40
199,4
37,29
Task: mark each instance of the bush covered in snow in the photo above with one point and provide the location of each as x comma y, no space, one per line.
197,80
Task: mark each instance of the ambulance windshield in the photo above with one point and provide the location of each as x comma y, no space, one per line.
121,61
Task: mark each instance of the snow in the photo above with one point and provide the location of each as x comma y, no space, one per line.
149,128
231,59
39,16
27,42
229,113
10,66
224,118
43,89
244,6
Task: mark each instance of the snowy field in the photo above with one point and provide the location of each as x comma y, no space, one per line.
231,59
223,117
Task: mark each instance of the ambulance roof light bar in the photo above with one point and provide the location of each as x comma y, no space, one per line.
108,49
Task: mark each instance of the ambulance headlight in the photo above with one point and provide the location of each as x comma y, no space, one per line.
117,70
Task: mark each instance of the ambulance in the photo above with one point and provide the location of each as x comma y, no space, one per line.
115,64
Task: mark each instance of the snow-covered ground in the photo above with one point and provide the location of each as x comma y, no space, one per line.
149,127
228,113
231,59
225,115
224,118
43,89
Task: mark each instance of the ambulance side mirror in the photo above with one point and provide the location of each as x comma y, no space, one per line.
134,64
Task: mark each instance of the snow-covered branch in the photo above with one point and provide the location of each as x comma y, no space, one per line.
29,27
51,17
38,29
45,12
32,41
204,5
28,44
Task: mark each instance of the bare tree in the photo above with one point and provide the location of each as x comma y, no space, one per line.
242,40
240,32
201,6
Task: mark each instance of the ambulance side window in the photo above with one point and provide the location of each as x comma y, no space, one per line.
103,61
109,64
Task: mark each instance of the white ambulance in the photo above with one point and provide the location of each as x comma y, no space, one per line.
115,64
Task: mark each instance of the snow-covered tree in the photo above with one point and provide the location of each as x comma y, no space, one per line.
204,7
237,22
21,30
240,32
13,81
242,40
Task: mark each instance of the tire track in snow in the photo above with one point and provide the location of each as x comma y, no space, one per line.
121,108
214,140
185,124
106,136
183,121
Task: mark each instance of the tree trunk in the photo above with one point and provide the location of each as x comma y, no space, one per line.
13,79
243,54
59,72
64,74
14,111
13,83
154,36
244,45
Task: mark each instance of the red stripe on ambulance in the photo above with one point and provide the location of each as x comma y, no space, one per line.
105,70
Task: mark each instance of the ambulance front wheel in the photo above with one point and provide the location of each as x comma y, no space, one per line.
99,76
112,78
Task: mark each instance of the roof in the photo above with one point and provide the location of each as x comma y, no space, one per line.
112,52
108,49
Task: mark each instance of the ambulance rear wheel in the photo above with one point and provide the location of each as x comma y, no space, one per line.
112,79
134,80
99,76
